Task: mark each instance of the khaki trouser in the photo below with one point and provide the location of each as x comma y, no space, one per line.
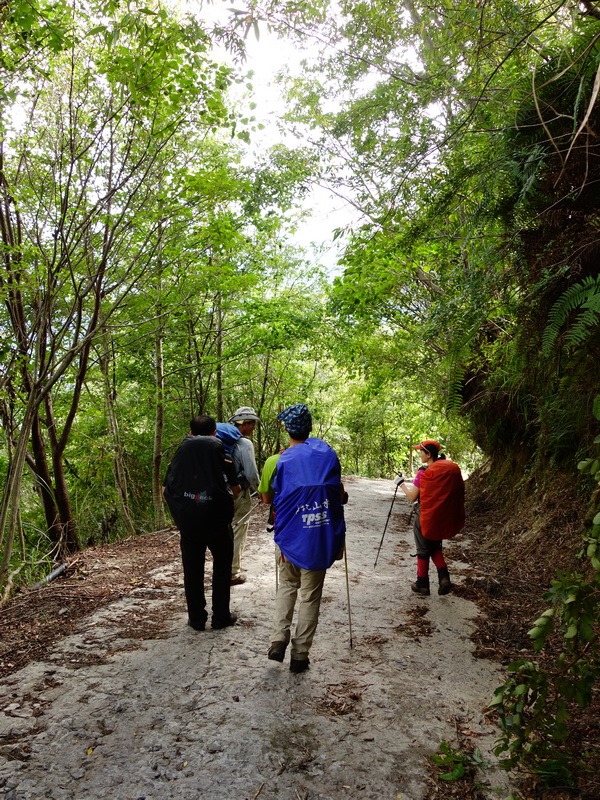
242,505
309,584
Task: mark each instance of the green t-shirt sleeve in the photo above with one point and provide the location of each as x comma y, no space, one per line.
268,474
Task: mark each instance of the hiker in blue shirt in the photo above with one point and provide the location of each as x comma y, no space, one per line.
307,496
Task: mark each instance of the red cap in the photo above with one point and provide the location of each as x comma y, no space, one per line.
432,447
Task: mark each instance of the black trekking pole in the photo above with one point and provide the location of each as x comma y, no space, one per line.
411,515
386,524
233,527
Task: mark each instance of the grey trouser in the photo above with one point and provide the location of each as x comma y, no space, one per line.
242,505
425,547
309,584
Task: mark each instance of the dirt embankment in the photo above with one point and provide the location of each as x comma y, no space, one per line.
108,694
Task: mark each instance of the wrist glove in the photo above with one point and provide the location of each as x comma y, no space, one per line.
399,479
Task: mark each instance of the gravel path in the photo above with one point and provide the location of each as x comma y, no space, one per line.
186,715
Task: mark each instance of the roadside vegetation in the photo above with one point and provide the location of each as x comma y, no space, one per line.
147,274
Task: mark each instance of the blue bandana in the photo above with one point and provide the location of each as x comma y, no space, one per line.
296,419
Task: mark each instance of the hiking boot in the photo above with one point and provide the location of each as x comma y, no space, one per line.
299,664
421,586
238,580
217,624
444,579
197,626
277,651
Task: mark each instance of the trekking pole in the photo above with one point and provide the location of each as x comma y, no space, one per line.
233,527
411,515
386,524
245,517
348,596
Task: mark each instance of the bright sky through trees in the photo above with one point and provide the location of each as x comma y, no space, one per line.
266,57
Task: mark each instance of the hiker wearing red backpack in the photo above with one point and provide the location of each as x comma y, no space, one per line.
439,489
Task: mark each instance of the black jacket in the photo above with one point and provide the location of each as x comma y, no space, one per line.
196,486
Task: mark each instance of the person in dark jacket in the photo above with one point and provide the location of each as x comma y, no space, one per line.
199,495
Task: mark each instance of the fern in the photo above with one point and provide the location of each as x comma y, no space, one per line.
531,170
584,296
455,378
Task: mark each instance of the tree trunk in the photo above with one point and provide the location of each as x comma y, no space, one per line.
41,470
219,332
69,540
261,404
159,417
120,473
11,498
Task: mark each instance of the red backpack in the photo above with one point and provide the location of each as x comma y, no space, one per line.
442,499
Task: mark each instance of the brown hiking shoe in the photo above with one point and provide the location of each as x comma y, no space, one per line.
277,651
421,587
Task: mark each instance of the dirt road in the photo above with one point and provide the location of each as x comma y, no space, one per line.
186,715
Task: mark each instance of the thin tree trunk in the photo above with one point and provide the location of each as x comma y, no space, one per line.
219,405
38,462
120,472
11,498
53,488
69,541
261,404
159,417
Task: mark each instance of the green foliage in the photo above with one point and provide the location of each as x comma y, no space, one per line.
534,703
455,764
143,243
477,184
584,296
451,762
470,156
30,28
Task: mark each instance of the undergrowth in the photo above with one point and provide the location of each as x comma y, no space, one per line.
548,572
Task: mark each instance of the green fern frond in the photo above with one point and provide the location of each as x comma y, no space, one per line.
582,328
531,170
584,295
593,302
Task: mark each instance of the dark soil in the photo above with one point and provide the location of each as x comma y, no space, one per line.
523,545
36,619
